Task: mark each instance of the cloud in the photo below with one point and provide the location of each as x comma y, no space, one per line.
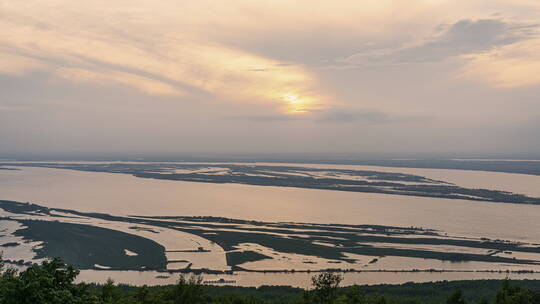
259,75
109,77
362,116
18,65
14,108
512,66
335,116
461,38
342,116
266,118
156,56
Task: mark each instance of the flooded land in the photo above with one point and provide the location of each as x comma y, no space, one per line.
148,222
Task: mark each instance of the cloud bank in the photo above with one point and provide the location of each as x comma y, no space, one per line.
264,76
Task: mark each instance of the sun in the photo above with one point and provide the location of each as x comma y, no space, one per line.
292,99
295,104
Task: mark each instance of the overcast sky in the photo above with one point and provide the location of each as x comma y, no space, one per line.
361,76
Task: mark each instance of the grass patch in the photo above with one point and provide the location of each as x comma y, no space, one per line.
85,246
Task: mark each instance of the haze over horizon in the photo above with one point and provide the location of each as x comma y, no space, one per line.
424,77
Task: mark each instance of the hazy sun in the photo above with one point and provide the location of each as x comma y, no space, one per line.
293,99
295,104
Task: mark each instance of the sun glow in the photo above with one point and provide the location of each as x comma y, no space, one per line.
292,99
296,105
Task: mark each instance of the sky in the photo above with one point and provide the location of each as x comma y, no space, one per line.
362,76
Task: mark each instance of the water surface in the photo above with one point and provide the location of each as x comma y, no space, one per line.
123,194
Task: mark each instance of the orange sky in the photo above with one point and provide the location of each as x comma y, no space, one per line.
316,75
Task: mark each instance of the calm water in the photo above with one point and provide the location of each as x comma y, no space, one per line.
127,195
302,280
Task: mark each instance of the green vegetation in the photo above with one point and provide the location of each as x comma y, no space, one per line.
240,257
301,177
53,282
85,246
4,168
521,166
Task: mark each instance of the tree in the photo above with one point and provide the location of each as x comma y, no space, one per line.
325,287
187,291
109,294
509,294
51,282
456,298
143,295
353,296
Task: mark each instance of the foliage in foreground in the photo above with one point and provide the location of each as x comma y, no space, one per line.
53,282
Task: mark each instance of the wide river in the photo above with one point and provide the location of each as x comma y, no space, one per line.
123,194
